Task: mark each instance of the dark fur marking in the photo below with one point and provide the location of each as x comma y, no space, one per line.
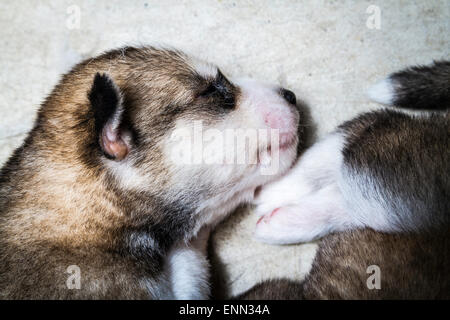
104,100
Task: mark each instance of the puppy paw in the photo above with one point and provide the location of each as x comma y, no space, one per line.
265,209
292,224
276,227
272,197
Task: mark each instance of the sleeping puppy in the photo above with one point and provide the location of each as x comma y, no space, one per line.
107,199
385,172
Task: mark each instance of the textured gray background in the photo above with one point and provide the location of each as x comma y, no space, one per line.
322,50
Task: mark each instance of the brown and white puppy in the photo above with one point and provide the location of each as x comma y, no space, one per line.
383,171
96,190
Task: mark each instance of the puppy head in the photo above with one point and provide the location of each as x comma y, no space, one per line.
168,125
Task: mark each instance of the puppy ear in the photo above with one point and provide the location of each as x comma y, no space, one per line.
106,104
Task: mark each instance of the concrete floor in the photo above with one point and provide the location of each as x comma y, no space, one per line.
327,52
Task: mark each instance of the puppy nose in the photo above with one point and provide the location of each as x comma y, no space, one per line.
288,95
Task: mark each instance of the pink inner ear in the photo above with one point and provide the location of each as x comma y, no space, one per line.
113,144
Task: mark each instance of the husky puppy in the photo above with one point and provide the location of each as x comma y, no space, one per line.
384,174
95,205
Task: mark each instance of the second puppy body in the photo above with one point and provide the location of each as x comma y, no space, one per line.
380,186
384,170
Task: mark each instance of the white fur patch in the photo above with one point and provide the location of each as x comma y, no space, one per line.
312,217
317,166
188,273
320,195
308,202
383,92
366,205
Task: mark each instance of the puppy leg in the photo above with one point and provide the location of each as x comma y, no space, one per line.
307,203
189,268
317,167
312,217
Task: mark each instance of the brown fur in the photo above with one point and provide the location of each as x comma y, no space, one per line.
59,208
412,267
92,185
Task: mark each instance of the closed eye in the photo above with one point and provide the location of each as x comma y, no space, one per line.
221,90
219,85
210,90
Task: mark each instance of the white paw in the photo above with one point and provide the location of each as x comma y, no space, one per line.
307,221
274,196
265,208
287,225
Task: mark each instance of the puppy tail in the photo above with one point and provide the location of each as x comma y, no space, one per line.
417,88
